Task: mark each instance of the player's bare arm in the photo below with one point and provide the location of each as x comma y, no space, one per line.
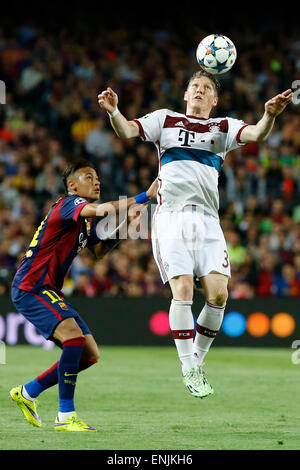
102,210
260,131
108,100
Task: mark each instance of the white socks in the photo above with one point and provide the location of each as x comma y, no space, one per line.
192,352
182,325
62,416
207,327
26,394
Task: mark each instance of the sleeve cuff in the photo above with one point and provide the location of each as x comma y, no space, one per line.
141,129
239,133
78,210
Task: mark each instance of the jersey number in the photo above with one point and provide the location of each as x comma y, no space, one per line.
53,296
226,262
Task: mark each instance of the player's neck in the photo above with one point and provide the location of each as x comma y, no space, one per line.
74,193
197,112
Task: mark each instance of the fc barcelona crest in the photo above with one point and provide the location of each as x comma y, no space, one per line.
62,305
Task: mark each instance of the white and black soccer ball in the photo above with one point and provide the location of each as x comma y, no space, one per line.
216,54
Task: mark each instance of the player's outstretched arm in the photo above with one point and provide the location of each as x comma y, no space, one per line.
260,131
125,129
105,246
115,207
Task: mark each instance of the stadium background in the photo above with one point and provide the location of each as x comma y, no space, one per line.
54,62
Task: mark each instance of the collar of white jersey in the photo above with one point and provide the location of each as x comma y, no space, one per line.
196,117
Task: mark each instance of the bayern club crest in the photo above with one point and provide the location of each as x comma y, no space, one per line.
214,127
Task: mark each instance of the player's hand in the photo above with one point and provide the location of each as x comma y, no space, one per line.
277,104
108,100
152,191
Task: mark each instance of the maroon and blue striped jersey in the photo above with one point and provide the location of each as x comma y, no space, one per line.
59,238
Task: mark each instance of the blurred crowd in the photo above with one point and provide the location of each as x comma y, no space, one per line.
52,116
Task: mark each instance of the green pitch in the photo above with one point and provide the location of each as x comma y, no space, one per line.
135,397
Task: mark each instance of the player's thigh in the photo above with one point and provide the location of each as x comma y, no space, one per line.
170,252
46,310
212,255
215,289
73,328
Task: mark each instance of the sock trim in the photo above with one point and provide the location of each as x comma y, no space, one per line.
183,334
182,302
215,306
77,341
202,330
87,360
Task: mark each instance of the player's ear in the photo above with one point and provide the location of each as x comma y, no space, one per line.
185,96
215,101
72,186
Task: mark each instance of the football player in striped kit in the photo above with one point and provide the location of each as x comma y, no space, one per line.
187,239
70,225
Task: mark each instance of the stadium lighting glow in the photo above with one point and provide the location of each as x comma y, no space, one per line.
283,325
159,323
234,324
258,324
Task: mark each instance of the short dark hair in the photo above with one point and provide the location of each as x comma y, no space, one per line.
203,73
72,168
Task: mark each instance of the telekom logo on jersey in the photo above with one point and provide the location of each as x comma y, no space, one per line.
187,139
138,225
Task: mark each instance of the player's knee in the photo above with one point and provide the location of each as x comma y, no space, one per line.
91,350
67,329
89,360
94,356
184,291
219,299
95,359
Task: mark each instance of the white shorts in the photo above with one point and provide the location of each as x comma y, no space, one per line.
188,242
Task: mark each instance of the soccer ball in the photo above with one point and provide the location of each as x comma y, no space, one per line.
216,54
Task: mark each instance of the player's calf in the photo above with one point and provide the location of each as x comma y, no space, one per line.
67,371
90,351
207,326
49,378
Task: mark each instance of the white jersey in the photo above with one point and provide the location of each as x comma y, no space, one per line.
191,152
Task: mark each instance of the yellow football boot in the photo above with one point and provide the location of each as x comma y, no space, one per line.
28,407
73,423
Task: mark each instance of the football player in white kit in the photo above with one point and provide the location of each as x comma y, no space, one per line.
187,239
